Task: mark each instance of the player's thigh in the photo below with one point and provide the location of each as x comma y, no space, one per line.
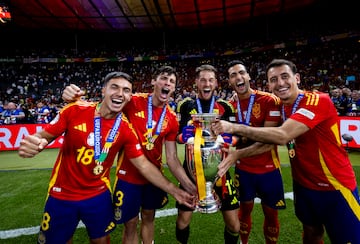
127,200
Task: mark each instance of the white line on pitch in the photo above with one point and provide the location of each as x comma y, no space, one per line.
6,234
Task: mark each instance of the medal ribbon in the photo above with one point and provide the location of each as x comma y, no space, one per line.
248,112
211,105
200,177
291,143
150,137
100,155
294,108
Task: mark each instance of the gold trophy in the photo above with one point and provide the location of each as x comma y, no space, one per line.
203,155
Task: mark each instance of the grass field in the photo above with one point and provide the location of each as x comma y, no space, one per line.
23,186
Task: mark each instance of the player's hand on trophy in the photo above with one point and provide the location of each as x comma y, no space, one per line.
72,93
31,145
187,132
221,126
228,161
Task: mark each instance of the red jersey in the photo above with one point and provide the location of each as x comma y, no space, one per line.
266,107
137,112
72,177
320,162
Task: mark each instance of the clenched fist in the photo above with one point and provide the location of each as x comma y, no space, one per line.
31,145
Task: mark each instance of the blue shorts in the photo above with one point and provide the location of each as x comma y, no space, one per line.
61,218
128,198
268,187
338,211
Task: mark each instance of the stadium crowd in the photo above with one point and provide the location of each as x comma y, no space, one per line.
30,91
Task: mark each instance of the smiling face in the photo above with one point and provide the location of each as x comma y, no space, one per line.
206,83
117,93
283,82
239,80
164,86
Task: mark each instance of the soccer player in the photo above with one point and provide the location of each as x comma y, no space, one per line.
324,182
79,187
205,102
155,124
257,173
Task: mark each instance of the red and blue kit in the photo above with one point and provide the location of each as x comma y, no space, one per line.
73,176
153,127
325,186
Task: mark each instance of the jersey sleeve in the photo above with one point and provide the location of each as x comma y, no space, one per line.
228,112
132,147
183,112
173,125
314,108
60,123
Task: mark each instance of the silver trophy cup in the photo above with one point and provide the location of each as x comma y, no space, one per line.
211,156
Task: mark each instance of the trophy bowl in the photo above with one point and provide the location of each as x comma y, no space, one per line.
211,156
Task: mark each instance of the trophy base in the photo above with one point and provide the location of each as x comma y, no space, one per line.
211,204
206,207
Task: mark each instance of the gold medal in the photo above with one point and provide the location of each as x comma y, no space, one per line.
291,153
149,146
98,169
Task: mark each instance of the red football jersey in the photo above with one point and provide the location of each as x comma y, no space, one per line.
72,177
320,163
137,112
266,108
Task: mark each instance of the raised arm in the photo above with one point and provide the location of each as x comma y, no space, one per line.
72,93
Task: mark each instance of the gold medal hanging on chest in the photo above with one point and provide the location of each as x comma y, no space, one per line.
149,146
98,169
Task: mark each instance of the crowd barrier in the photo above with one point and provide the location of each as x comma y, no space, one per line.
11,135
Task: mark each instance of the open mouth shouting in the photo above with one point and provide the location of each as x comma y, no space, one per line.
206,92
164,93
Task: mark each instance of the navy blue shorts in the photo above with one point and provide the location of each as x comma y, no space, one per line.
128,198
268,187
338,211
61,218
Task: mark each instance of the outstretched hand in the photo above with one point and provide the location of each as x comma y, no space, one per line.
221,126
72,93
185,198
31,145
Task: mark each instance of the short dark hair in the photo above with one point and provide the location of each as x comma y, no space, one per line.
117,74
280,62
166,69
233,63
207,67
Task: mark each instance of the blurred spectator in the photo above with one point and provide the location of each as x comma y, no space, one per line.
346,102
42,113
335,96
11,114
